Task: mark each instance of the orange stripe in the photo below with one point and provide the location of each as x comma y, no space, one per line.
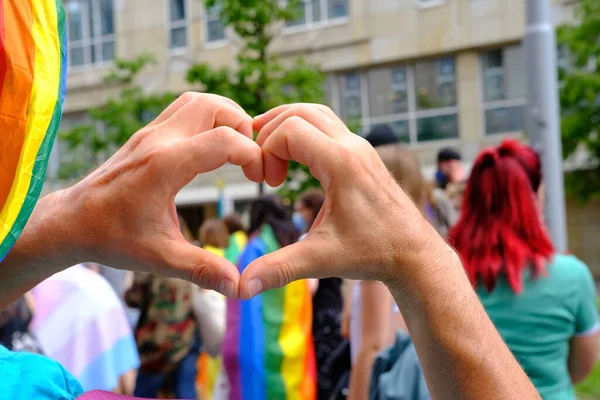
16,92
308,387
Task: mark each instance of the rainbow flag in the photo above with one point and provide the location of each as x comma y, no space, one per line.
33,61
237,243
210,380
268,350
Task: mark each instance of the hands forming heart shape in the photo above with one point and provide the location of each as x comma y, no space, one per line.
126,215
123,215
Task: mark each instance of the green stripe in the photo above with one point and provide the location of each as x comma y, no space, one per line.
41,160
233,250
273,303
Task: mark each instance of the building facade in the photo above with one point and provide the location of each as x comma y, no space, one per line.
438,72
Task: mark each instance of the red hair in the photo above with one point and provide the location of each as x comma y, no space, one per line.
500,229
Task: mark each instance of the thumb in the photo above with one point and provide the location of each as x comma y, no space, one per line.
203,268
308,258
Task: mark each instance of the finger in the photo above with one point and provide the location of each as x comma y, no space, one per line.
205,269
312,113
183,100
309,258
207,112
299,140
261,120
212,149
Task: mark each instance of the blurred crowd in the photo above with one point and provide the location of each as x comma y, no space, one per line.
327,339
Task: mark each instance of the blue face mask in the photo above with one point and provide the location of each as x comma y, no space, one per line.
299,222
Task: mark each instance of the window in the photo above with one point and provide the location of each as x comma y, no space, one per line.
177,24
315,12
90,32
427,3
351,97
215,30
503,74
417,102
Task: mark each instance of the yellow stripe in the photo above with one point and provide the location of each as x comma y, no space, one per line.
44,95
292,340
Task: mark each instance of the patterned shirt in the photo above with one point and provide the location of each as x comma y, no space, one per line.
166,328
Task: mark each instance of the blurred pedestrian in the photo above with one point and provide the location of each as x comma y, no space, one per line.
450,172
374,316
214,236
542,303
15,333
268,349
209,307
328,306
167,333
80,322
237,237
450,167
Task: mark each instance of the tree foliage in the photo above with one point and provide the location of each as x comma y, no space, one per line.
260,80
112,124
580,95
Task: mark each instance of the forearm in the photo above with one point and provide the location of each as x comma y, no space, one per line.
461,353
360,377
43,248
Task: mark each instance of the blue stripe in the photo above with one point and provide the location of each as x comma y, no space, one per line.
104,372
252,335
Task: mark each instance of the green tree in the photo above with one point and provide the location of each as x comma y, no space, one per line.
112,124
580,95
260,80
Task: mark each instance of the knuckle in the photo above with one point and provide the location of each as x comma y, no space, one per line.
283,275
139,137
156,158
221,135
299,109
201,276
293,122
189,96
325,108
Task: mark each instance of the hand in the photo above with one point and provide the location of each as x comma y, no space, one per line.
368,227
124,212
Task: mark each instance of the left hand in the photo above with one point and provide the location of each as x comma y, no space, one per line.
124,213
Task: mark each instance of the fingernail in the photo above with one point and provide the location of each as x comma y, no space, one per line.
226,288
255,287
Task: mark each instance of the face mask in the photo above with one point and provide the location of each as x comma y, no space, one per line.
299,222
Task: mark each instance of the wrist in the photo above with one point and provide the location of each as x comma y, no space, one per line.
431,268
50,236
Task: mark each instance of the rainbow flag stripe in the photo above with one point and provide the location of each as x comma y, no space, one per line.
33,61
268,350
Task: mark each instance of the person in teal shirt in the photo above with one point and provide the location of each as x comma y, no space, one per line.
542,303
33,376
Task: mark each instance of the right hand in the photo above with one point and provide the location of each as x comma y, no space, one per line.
368,227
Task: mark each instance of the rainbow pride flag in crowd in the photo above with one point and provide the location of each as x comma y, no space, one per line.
33,61
268,351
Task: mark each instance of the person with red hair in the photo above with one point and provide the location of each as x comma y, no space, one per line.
541,302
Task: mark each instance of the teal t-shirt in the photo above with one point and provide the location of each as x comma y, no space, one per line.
538,323
32,376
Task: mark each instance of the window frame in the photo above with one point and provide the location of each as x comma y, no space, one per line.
497,104
323,23
211,17
429,3
86,42
411,116
182,23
